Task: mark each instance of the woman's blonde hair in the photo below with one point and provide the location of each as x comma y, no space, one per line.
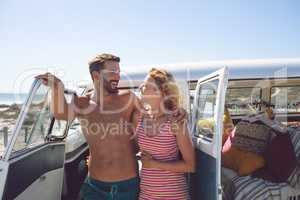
168,87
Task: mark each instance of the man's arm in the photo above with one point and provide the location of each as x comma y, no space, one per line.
60,109
134,118
137,109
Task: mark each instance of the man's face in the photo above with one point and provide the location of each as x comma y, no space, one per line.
110,75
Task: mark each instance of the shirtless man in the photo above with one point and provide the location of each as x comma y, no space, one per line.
105,118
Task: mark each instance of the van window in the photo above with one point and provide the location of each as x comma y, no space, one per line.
192,96
243,101
205,109
59,127
36,123
286,99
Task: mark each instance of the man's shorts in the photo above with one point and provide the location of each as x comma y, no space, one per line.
122,190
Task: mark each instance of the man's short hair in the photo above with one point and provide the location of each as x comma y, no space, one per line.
97,63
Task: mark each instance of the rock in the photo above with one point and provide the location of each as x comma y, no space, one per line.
4,106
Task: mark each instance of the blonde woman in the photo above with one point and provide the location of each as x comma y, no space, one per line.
167,150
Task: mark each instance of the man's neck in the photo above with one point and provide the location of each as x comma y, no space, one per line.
102,96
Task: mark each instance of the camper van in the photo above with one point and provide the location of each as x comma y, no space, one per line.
45,158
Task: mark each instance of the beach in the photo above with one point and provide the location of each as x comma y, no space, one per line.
9,111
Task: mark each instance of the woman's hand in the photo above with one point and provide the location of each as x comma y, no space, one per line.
180,116
147,160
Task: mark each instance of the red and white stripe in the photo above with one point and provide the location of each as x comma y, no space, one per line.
157,184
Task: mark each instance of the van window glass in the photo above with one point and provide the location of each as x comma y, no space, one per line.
59,127
192,95
243,101
286,99
37,121
205,108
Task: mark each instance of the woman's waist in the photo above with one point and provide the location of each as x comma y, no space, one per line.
159,173
164,156
158,179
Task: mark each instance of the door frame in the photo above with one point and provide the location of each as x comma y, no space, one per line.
19,122
10,161
213,146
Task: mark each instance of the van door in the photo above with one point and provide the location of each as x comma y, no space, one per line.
33,160
207,125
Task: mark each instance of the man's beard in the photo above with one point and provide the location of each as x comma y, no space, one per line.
111,86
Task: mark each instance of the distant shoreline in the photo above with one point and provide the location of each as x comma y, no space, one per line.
4,105
8,99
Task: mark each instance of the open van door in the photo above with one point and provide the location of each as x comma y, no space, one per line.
33,163
207,125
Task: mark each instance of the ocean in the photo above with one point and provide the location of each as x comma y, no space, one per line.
11,98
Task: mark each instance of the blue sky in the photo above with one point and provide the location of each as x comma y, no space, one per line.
63,36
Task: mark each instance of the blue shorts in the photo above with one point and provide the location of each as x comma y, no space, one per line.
122,190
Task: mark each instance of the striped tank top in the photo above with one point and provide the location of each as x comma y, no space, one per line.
157,184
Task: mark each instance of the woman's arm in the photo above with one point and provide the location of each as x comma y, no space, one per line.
186,164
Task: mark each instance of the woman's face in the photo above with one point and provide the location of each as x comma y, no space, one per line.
150,93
